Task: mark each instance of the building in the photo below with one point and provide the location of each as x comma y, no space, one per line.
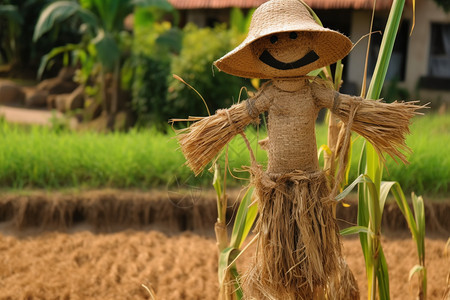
420,63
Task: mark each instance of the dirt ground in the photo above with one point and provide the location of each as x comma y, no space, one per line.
81,264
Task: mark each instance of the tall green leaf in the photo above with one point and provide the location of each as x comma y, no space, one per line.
387,45
11,13
52,54
225,257
60,11
383,276
108,11
107,50
374,202
243,223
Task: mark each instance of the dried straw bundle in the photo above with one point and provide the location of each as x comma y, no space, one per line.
343,285
298,248
384,125
204,139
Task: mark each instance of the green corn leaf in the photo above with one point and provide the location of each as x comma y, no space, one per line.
387,45
414,270
217,181
416,224
355,230
361,179
252,213
421,270
373,165
338,75
316,72
218,188
313,14
350,188
237,235
324,148
237,286
419,213
404,208
384,192
225,257
363,216
363,220
369,214
383,276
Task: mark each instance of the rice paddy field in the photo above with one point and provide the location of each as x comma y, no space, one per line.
43,158
95,216
180,265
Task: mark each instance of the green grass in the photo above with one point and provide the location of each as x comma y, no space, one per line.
38,157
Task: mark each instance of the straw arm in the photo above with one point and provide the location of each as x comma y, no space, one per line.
204,139
384,125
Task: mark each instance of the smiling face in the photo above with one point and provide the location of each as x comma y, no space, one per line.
286,53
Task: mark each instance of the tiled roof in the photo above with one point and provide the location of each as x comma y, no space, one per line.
316,4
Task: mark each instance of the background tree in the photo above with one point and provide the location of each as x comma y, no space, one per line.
103,43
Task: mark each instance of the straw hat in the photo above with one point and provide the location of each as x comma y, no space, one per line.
315,46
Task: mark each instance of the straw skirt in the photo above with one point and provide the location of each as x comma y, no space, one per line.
298,247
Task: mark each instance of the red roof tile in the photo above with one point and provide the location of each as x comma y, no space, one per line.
316,4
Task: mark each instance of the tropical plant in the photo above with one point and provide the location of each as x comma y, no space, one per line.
17,49
154,45
104,38
10,21
200,47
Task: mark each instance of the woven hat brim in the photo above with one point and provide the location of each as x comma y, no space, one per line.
330,46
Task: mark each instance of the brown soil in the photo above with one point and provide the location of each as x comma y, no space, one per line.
168,251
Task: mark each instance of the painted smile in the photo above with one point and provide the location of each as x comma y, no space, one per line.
268,59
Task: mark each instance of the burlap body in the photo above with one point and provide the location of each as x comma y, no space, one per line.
291,129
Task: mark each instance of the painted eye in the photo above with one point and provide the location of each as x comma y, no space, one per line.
273,39
293,35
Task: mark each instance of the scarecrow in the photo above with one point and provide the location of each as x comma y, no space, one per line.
298,252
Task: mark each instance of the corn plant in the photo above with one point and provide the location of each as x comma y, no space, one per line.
373,192
370,206
416,224
231,248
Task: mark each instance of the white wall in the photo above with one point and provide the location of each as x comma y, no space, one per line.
360,27
427,12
